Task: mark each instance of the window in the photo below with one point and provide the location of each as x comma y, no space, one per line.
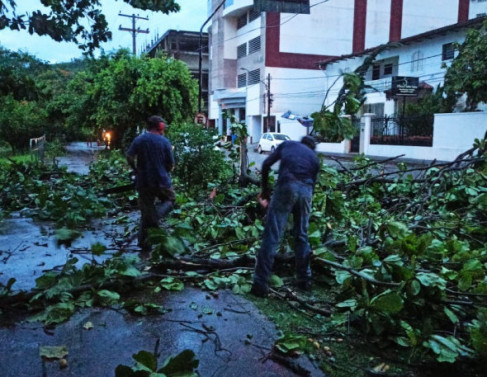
242,50
376,72
241,80
448,52
242,21
417,61
254,77
253,15
388,69
254,45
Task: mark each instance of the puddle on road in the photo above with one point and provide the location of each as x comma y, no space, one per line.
28,248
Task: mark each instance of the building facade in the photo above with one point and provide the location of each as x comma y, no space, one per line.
265,64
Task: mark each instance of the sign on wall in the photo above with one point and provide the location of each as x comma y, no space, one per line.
405,86
282,6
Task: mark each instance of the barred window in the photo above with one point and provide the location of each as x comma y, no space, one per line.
254,45
242,50
242,80
242,21
254,77
448,51
253,15
388,69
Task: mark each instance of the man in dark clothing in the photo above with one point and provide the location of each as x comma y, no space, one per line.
298,171
151,157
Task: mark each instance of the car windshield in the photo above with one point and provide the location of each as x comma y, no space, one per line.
281,137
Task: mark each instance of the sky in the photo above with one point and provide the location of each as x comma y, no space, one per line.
191,17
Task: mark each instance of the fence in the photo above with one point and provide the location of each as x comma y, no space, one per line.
37,148
404,130
453,133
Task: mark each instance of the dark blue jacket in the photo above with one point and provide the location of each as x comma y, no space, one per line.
299,163
154,160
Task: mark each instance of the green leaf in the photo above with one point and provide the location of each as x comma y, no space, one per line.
98,249
146,359
397,229
350,303
453,318
341,276
181,365
53,352
172,284
387,302
275,281
108,297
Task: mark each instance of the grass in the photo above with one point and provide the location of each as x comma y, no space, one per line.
21,158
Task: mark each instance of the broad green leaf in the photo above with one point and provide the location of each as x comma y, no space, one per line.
387,302
181,365
275,281
53,352
146,359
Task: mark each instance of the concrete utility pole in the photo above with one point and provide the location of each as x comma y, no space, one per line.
133,30
268,87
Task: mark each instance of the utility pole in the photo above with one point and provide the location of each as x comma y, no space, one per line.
133,30
268,87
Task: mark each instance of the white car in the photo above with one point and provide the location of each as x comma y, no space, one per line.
270,140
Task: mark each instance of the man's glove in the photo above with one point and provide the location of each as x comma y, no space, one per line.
133,176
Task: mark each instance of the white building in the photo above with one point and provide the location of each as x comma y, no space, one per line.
423,56
254,56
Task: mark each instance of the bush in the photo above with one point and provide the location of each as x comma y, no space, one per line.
198,163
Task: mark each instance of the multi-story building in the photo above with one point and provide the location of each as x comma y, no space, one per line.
185,46
257,56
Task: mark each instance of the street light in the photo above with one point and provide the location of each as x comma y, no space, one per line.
268,95
200,62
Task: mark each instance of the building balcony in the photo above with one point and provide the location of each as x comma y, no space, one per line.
234,8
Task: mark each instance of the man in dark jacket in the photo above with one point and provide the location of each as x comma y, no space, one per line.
151,157
298,171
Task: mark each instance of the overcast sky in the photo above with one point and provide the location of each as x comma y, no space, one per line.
191,17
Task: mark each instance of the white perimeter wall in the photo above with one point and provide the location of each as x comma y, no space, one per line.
453,134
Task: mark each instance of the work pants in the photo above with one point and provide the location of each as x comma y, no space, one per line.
295,198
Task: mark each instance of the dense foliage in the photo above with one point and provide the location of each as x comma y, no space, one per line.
467,73
76,101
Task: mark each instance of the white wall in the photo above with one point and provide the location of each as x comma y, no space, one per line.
477,7
420,16
377,22
299,90
453,134
292,128
328,30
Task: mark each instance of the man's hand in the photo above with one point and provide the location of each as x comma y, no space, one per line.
263,200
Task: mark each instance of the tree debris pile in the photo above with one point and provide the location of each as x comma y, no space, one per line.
399,255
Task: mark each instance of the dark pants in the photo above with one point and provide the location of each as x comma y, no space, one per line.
154,204
290,198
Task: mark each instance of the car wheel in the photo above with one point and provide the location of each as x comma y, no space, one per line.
259,149
273,149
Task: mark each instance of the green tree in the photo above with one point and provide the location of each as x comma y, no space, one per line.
81,22
129,89
20,121
468,71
